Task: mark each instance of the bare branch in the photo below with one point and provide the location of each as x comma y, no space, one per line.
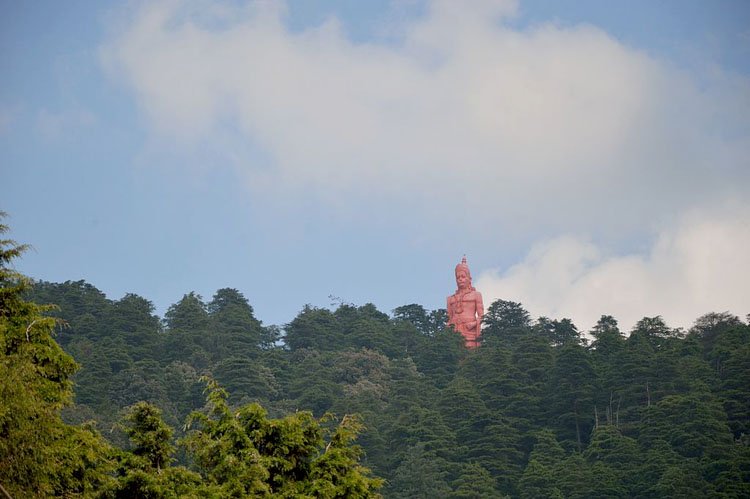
29,329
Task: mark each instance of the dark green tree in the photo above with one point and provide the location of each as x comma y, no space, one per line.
440,357
132,318
473,482
246,379
315,328
189,314
618,459
694,425
81,307
565,332
421,474
575,478
710,327
571,395
234,330
538,479
505,321
414,314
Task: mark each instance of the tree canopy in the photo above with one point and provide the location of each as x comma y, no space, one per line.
354,402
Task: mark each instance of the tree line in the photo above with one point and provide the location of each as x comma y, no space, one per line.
224,450
539,410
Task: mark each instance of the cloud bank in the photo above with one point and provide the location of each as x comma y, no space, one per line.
468,128
698,266
461,119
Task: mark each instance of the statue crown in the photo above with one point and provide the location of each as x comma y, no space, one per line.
463,266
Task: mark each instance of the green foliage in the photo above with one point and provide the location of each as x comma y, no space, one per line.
615,459
245,454
547,450
40,456
189,314
572,395
475,481
505,321
680,481
12,283
427,323
574,478
538,482
538,479
151,437
534,412
422,474
313,328
245,378
694,425
144,470
234,330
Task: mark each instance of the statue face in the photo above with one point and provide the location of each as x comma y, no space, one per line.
462,279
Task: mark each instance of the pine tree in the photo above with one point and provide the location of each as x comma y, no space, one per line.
421,474
538,481
315,328
474,482
505,321
617,458
571,392
234,330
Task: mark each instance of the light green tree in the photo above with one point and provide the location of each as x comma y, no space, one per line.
40,456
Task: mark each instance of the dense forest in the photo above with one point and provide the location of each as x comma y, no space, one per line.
539,410
228,450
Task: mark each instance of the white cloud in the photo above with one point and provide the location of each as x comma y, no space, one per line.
699,265
466,121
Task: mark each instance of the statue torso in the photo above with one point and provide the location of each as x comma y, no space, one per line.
462,306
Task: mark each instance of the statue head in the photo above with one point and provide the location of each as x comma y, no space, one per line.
463,275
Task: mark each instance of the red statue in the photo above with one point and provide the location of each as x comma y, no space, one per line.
465,307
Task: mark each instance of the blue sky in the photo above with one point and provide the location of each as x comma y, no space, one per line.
588,157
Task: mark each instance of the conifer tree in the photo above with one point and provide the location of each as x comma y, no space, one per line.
40,456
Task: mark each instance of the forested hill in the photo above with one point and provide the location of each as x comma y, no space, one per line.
537,411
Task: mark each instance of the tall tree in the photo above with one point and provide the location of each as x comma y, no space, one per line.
414,314
709,327
421,474
475,481
188,337
234,330
538,479
618,458
40,456
571,393
694,425
189,314
505,321
132,318
316,328
565,332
